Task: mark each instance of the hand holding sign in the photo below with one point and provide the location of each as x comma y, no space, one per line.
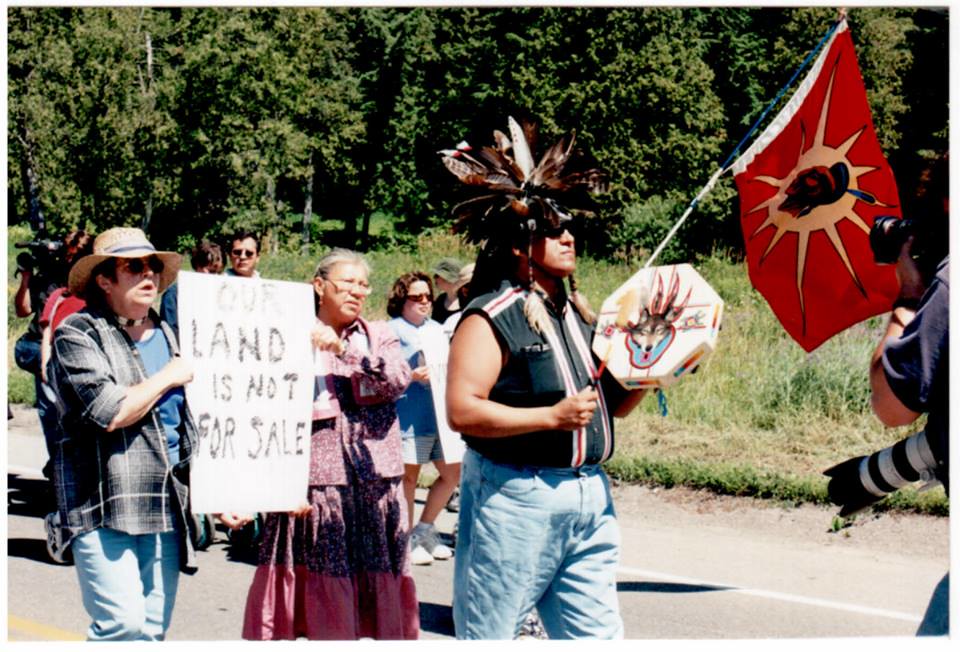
179,371
324,338
421,374
234,521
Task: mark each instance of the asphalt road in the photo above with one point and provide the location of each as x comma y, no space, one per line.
683,575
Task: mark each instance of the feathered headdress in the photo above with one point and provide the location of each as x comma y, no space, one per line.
514,193
515,196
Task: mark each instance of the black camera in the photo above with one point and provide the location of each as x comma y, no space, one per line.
929,247
42,253
887,236
862,481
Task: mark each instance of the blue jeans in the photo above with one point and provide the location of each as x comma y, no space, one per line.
936,621
128,583
26,353
535,537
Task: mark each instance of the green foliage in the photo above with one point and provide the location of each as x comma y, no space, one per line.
20,387
644,227
743,480
195,121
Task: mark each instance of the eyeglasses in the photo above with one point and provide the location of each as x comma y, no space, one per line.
360,287
243,253
136,266
420,298
571,226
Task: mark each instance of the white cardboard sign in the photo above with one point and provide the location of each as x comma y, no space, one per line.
252,390
436,349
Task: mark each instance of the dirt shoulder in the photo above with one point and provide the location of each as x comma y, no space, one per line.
925,536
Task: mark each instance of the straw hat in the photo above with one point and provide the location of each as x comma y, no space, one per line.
122,242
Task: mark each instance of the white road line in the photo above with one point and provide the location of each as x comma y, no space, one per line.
773,595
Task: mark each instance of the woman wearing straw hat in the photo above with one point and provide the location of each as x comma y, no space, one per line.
126,436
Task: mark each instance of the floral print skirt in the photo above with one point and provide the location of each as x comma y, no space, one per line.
340,573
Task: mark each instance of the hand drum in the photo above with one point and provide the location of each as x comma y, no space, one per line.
658,326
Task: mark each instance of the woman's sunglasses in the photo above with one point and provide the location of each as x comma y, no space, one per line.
420,298
137,265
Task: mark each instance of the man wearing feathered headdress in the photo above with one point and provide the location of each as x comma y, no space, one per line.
537,525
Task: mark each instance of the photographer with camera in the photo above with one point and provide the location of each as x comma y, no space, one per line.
909,375
42,270
909,370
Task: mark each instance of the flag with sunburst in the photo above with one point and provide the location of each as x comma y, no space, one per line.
810,188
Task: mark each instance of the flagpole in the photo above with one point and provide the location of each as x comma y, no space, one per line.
782,92
756,125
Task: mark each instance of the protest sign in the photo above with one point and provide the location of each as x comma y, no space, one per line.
436,350
252,390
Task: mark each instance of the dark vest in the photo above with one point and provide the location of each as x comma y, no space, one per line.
541,370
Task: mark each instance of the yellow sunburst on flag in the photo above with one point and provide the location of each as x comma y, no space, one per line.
811,186
823,216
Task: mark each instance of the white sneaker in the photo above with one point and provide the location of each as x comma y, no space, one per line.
420,557
441,552
425,536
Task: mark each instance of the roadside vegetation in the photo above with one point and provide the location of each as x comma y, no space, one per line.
760,418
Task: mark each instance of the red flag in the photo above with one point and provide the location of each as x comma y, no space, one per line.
810,188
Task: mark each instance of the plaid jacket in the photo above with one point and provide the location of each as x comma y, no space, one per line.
121,479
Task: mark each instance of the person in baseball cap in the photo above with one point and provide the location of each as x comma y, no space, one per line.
446,274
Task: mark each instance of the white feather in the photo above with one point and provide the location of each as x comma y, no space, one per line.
521,150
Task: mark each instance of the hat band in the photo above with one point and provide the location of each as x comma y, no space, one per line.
120,250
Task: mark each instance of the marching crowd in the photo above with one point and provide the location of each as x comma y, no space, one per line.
537,530
339,566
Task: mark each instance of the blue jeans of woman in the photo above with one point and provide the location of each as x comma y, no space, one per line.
26,353
535,537
128,582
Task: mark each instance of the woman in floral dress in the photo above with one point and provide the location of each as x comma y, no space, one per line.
338,567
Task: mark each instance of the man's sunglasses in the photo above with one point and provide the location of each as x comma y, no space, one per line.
244,253
136,266
574,226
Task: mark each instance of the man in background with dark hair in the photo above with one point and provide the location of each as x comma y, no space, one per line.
205,259
244,254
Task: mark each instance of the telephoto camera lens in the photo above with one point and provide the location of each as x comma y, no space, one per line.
862,481
887,236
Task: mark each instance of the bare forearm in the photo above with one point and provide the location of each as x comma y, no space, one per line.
899,319
629,403
139,400
45,348
486,418
888,408
21,302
